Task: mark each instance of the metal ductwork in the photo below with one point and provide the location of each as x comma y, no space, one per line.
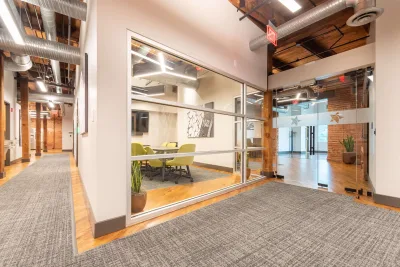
182,69
41,48
71,8
365,13
18,63
56,98
49,24
294,92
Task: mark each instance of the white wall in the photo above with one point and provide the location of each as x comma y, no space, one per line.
222,92
10,96
284,139
67,128
88,146
387,96
208,30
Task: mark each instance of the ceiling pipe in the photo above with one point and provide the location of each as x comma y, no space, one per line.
71,8
17,62
56,98
41,48
365,12
49,24
293,92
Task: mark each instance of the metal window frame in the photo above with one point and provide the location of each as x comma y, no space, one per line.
137,218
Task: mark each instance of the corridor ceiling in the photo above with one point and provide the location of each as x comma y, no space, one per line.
325,38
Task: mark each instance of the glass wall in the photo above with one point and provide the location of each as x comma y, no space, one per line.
323,135
186,131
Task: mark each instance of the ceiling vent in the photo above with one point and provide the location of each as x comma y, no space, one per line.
364,16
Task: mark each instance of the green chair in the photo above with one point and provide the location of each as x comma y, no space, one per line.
183,161
172,144
137,149
154,164
164,144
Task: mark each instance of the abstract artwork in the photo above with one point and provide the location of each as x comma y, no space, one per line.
200,123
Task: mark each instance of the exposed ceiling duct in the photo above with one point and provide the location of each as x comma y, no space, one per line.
183,74
16,62
365,12
294,92
49,24
72,8
40,48
55,98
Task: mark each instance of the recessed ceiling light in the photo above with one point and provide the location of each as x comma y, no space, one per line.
291,5
9,21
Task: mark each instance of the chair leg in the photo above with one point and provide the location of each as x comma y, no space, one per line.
190,175
180,175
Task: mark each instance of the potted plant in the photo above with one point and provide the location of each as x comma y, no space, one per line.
138,196
349,157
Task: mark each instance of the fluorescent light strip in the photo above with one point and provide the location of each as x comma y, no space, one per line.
162,62
291,99
150,59
291,5
9,21
41,85
148,74
180,75
139,93
298,96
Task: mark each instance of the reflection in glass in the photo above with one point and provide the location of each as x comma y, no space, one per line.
159,75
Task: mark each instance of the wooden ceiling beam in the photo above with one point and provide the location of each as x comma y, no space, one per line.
313,47
280,65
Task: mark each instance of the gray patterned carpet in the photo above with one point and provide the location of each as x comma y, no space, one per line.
273,225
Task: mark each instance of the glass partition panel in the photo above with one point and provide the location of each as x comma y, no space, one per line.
254,102
165,129
254,133
186,177
162,76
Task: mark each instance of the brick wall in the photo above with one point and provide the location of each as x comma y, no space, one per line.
345,99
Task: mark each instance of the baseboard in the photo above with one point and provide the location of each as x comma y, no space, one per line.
103,227
215,167
109,226
66,150
16,160
387,200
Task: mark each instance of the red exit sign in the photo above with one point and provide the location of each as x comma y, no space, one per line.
272,35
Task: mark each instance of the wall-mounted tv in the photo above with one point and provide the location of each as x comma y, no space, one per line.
140,122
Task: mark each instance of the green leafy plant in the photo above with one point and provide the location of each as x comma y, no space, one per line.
136,176
348,143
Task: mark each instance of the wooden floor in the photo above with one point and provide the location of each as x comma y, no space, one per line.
84,238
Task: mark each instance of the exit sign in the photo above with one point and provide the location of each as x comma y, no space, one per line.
272,35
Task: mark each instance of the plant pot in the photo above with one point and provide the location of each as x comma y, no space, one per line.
138,201
248,173
349,157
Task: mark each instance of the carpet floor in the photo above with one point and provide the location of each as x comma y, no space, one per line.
273,225
198,174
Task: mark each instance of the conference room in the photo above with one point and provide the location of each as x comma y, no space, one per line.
186,130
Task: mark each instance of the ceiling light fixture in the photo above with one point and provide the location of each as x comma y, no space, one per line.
51,104
149,59
148,74
162,62
41,84
371,77
291,99
291,5
298,96
9,21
